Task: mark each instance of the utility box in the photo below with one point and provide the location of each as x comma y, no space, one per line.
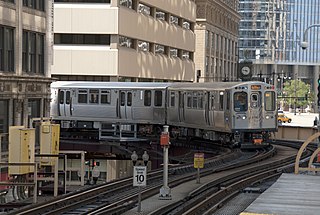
49,142
21,149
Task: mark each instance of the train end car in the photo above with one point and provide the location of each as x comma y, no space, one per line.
254,112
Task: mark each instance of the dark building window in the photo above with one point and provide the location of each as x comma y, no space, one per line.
34,4
85,39
33,52
4,123
12,1
84,1
6,49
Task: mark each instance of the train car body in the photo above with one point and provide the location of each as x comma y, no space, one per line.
229,111
235,110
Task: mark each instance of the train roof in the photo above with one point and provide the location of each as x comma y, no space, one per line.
214,85
151,85
113,85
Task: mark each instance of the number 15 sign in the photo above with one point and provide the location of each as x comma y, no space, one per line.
139,176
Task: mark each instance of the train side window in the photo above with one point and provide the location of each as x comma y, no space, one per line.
172,99
82,96
105,97
94,96
129,99
212,101
195,100
68,97
221,100
228,101
240,101
122,98
147,98
270,101
200,101
61,97
158,98
189,100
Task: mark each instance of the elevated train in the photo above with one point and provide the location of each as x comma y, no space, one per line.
232,112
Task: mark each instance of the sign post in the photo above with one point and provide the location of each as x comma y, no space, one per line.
139,180
139,176
139,173
198,163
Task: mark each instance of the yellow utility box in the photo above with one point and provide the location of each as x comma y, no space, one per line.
49,142
21,149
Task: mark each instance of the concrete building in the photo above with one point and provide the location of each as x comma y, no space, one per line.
25,62
216,56
126,40
270,35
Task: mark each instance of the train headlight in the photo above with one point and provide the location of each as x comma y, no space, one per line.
244,117
267,117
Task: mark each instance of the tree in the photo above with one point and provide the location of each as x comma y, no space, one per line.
296,92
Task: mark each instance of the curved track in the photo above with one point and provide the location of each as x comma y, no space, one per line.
120,196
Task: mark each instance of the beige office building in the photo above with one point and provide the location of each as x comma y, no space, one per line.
216,56
124,40
25,62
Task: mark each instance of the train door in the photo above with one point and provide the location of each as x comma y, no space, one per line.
181,106
255,109
207,107
65,103
227,112
125,104
211,107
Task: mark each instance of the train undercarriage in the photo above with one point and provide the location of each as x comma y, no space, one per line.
116,131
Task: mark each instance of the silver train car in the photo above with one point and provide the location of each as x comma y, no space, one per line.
232,112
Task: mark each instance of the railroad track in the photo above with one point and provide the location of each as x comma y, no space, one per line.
211,196
120,196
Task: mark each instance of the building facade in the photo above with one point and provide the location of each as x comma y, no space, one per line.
216,56
124,40
25,44
270,35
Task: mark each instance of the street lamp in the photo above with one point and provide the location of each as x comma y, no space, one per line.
134,158
304,43
145,158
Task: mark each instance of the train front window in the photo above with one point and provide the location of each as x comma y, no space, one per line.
270,101
240,101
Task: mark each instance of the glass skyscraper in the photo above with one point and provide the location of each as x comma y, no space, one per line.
270,36
302,14
271,31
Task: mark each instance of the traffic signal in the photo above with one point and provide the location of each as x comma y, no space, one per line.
318,92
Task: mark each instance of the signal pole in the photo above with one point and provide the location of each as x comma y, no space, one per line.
165,191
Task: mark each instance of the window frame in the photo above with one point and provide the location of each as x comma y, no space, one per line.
82,93
158,95
147,98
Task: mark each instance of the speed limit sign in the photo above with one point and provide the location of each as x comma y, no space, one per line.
139,176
